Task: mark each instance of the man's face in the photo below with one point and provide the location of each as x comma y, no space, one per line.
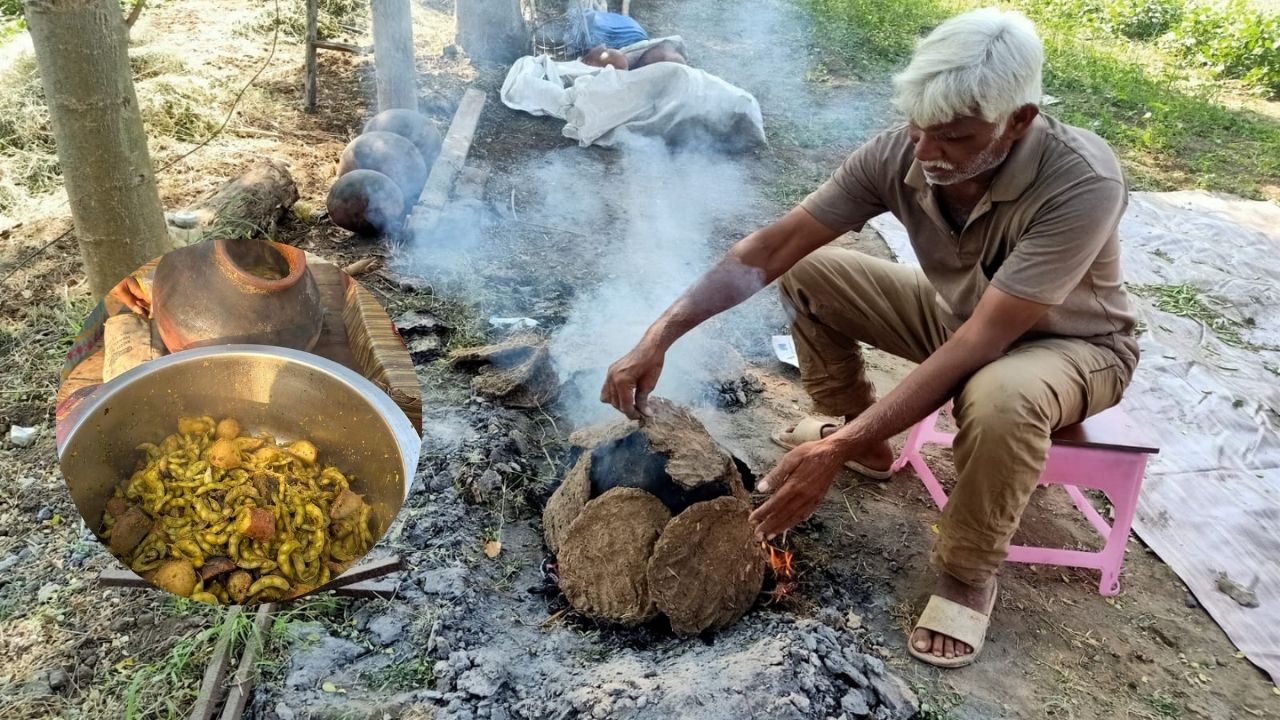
959,150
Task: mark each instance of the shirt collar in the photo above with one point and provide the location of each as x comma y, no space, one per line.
1016,173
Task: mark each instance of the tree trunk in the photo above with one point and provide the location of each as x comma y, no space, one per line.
248,205
393,55
492,30
102,148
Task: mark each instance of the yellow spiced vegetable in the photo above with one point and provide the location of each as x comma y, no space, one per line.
220,516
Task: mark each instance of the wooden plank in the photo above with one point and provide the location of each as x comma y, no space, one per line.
383,589
238,695
121,577
216,672
448,165
309,76
453,151
471,183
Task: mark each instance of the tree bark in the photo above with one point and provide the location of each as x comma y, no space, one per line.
491,30
393,55
248,205
81,52
309,75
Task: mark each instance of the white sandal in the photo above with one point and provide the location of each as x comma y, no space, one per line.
956,621
809,430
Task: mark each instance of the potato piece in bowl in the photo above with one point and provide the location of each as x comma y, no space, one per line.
176,576
228,429
304,451
224,454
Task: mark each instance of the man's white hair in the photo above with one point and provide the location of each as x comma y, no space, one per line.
986,62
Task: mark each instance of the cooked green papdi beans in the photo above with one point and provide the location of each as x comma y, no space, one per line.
220,516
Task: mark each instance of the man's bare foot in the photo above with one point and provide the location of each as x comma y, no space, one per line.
975,598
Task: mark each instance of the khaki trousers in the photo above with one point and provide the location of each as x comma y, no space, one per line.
1005,412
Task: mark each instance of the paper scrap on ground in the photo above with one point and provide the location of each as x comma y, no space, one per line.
1211,497
522,323
785,350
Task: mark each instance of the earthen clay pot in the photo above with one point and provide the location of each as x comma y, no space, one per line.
236,291
411,126
391,155
366,202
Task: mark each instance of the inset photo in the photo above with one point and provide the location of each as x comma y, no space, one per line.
238,422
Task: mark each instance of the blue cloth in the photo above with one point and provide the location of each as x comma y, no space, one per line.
615,30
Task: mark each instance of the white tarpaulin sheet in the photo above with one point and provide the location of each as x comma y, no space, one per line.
1211,499
602,105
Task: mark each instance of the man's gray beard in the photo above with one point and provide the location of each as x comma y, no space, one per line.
987,159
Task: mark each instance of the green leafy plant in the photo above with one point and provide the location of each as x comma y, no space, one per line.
1233,40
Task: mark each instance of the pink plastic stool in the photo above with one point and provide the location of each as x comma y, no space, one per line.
1107,452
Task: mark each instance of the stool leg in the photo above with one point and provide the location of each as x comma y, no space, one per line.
915,440
1124,498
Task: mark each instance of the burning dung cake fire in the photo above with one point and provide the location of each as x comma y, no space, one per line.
652,520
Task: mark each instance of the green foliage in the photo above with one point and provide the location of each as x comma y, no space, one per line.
1170,133
332,15
869,33
1233,40
1141,20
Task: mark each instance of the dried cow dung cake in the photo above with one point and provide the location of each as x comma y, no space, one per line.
693,459
707,569
566,503
604,558
517,373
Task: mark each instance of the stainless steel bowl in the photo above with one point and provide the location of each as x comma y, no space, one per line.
288,393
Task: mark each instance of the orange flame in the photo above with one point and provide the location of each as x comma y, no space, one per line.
783,572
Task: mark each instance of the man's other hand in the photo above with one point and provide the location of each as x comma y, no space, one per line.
631,379
798,484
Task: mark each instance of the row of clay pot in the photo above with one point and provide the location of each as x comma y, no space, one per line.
382,172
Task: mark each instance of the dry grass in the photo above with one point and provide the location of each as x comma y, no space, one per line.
176,105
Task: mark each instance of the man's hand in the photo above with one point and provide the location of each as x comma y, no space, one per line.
129,292
799,482
631,379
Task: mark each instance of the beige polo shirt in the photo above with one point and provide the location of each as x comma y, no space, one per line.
1045,231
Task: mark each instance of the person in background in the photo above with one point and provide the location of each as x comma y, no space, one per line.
665,51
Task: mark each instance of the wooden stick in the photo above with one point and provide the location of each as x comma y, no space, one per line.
216,672
134,13
342,47
238,695
309,76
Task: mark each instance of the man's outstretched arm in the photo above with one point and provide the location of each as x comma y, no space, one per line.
750,265
803,475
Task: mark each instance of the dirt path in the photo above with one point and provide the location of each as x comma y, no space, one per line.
563,233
